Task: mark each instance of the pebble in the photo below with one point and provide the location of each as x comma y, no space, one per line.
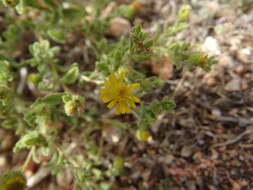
186,151
213,8
226,61
119,27
239,69
216,113
244,55
211,81
2,161
211,45
168,159
228,14
233,85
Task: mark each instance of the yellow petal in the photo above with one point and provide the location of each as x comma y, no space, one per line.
132,104
111,104
134,86
121,76
102,90
127,109
134,98
117,110
120,108
105,97
124,107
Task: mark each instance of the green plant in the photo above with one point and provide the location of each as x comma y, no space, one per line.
63,96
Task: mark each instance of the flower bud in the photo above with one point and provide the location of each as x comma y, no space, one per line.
10,3
73,107
184,13
12,181
33,78
142,135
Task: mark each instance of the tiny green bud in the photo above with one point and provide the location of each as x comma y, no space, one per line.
10,3
73,107
142,135
129,12
69,108
33,78
184,13
12,181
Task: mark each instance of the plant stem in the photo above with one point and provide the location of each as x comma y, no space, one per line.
28,159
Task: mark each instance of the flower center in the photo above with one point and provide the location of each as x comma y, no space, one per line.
123,93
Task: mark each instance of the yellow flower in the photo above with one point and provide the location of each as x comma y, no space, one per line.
118,94
12,181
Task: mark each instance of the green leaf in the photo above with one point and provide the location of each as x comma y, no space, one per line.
72,13
137,29
151,83
52,99
9,124
30,139
66,98
105,186
42,51
6,94
57,35
148,44
5,74
167,104
71,76
21,7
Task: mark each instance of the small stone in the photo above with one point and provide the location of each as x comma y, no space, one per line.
211,81
186,151
244,85
119,27
225,61
6,143
235,43
213,8
2,161
233,85
239,69
166,159
195,19
211,45
244,55
163,67
228,14
216,113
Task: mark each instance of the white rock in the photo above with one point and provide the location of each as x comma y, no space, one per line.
211,46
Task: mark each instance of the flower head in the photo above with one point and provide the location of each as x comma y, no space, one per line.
118,94
12,181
